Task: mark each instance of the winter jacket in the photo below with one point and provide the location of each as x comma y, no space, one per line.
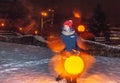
69,39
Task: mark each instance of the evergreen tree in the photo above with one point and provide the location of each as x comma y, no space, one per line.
97,23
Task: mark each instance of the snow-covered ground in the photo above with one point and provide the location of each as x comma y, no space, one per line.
29,64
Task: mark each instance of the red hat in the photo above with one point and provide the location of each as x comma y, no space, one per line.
68,22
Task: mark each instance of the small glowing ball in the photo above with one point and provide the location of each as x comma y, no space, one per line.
81,28
74,65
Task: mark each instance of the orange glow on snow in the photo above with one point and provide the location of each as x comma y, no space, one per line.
74,65
81,28
96,78
81,44
64,63
87,35
57,64
89,60
55,44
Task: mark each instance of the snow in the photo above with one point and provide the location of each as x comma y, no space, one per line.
29,64
103,49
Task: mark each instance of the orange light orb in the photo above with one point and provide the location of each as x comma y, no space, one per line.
20,28
74,65
44,14
76,14
35,32
81,28
2,24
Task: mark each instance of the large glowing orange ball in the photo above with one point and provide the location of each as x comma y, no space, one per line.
74,65
81,28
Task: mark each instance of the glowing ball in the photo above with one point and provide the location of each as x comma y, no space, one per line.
81,28
74,65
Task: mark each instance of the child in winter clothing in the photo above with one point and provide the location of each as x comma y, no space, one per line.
69,38
68,35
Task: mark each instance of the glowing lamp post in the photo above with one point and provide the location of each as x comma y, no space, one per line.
43,14
52,15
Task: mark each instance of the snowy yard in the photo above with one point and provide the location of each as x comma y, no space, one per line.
29,64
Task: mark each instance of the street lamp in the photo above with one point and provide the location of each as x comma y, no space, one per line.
52,15
50,18
43,14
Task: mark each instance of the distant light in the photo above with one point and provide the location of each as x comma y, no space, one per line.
76,14
81,28
115,38
44,13
20,28
2,24
50,10
36,32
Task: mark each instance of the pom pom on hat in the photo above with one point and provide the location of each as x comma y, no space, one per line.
69,23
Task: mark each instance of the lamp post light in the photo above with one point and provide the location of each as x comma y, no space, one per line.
43,14
52,15
43,20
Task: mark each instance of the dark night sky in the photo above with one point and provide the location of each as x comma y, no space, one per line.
86,7
110,7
